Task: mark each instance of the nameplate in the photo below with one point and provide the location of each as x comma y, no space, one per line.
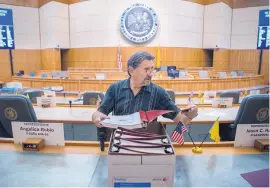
46,102
210,94
52,133
222,102
48,93
246,134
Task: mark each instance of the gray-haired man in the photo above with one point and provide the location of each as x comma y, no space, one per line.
139,93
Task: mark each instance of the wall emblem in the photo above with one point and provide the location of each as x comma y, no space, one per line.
139,23
262,114
10,113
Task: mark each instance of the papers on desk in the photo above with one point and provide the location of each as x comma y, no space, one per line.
132,121
216,114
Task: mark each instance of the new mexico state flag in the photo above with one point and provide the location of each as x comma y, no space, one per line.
158,58
214,131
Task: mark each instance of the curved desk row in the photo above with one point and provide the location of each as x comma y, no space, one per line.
78,124
181,85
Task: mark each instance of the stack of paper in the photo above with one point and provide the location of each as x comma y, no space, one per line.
132,121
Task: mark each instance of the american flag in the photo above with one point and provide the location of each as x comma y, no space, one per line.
119,58
178,134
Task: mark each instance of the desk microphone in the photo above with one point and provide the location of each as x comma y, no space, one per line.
70,102
101,137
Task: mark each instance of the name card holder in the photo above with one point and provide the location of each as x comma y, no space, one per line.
46,102
222,102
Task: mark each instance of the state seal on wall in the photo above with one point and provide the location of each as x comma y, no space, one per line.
139,23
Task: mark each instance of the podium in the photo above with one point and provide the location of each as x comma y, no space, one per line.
140,159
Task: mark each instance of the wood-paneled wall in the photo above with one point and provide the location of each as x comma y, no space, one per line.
249,3
25,3
221,59
5,73
50,59
27,60
107,57
265,66
247,60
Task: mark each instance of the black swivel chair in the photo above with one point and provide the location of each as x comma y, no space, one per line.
231,94
33,94
172,94
15,108
254,109
91,97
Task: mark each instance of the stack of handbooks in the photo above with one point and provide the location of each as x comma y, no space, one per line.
131,142
133,121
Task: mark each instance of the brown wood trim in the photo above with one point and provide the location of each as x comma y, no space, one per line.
96,143
232,3
249,3
209,2
25,3
6,140
43,2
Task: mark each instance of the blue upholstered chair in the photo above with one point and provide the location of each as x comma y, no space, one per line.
15,108
43,75
253,109
32,74
33,94
231,94
91,97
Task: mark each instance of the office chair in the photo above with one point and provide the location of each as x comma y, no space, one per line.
172,94
233,74
43,75
203,74
15,108
254,109
231,94
32,74
222,74
91,97
33,94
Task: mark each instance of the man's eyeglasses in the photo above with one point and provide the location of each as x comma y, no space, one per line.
150,70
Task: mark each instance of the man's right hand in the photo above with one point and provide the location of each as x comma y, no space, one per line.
97,117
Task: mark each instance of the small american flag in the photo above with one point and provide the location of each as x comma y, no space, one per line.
178,134
119,58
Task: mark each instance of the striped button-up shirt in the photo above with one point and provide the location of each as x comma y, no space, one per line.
120,100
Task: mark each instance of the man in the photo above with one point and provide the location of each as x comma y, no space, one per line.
139,93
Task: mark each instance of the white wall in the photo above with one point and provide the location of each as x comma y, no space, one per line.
26,26
245,27
54,25
96,23
217,26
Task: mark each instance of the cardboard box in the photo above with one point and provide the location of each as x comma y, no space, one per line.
138,170
262,145
33,144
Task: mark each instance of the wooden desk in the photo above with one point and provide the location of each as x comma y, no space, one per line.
84,115
177,85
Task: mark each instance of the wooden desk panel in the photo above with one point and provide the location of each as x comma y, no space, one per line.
178,85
